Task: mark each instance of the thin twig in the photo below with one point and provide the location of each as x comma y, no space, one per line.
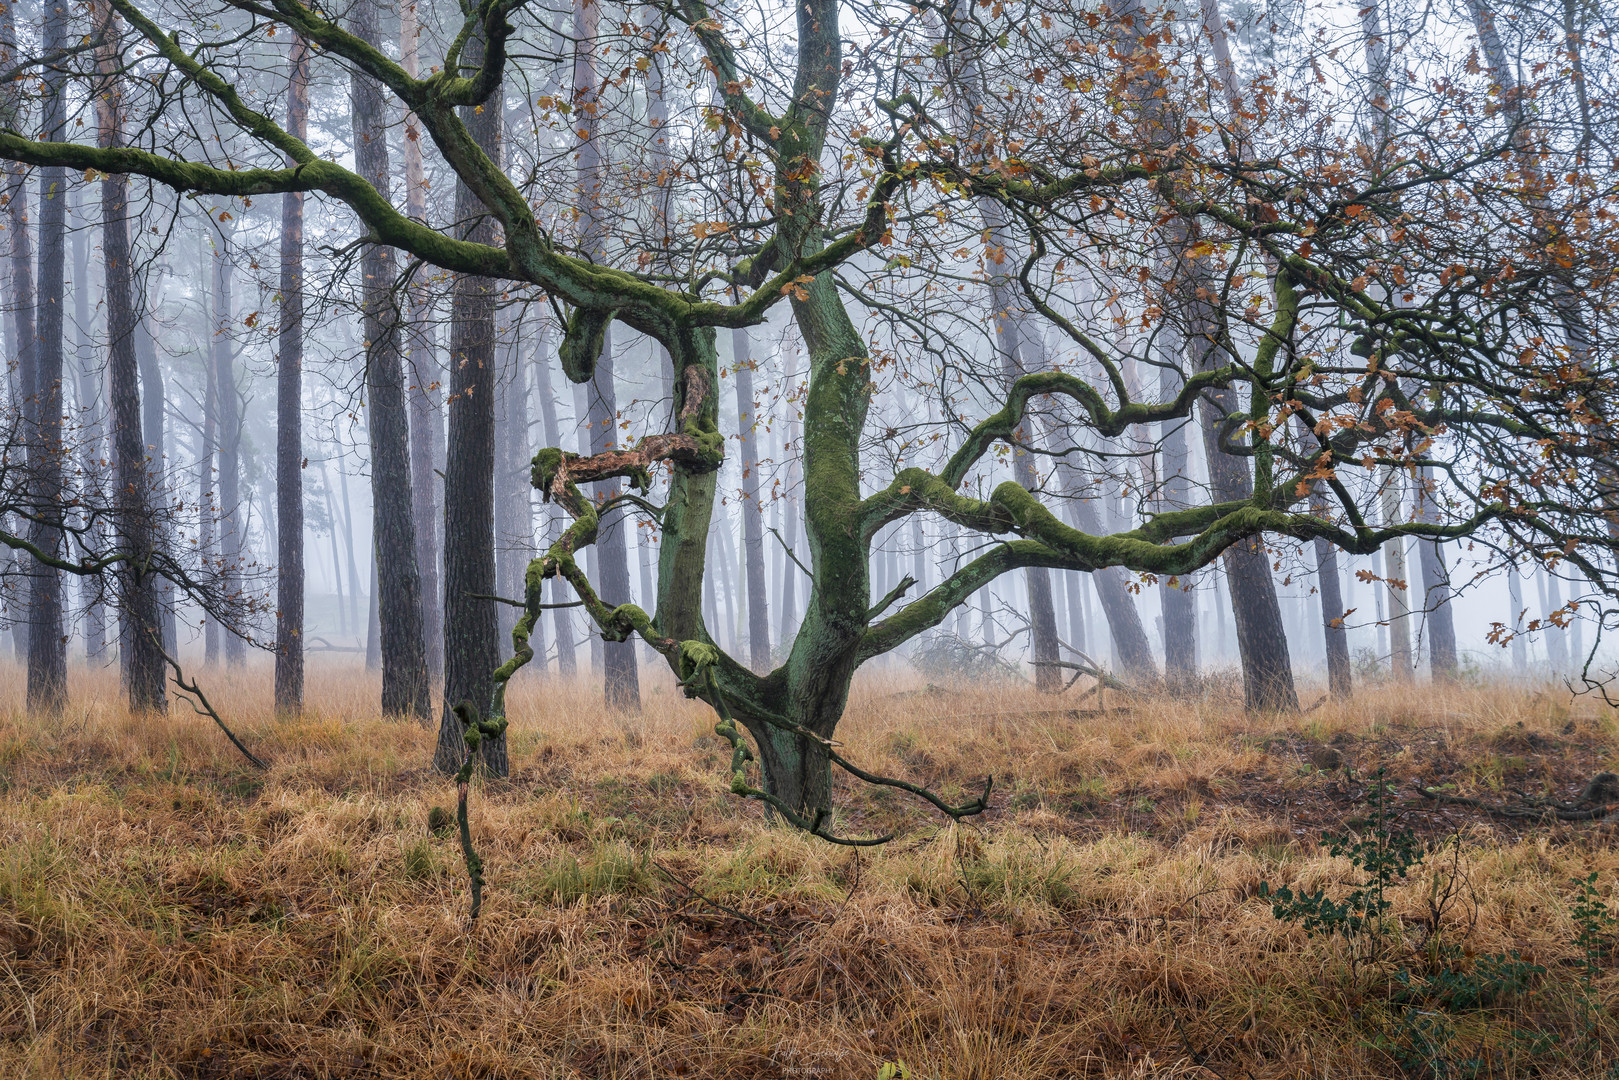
790,554
735,914
521,604
195,691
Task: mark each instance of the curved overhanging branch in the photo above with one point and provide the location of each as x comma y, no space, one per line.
1047,542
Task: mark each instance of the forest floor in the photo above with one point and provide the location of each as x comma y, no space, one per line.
167,911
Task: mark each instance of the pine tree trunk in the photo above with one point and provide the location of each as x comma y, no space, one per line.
1440,617
610,561
513,514
423,374
562,619
1520,654
289,476
232,521
621,677
207,495
139,617
92,415
1399,596
1332,621
471,641
397,596
47,642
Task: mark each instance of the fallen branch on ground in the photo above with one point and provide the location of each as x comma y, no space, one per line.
1602,790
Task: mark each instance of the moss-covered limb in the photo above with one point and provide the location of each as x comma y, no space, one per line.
934,606
1279,334
822,662
1050,543
56,562
251,121
1105,420
474,730
385,224
689,508
555,471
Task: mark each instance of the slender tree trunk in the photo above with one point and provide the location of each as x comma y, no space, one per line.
611,561
24,343
232,520
562,621
158,438
1332,620
139,617
424,375
471,642
513,515
1261,638
1076,611
621,676
47,642
1130,642
1556,644
1399,597
331,534
1178,601
348,546
92,416
289,476
1014,346
397,596
207,494
1440,617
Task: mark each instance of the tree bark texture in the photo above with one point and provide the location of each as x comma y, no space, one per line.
232,520
398,593
92,415
621,679
1439,618
562,618
424,376
138,616
1178,601
471,637
753,544
289,476
47,641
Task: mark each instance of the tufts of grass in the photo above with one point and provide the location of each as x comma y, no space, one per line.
163,913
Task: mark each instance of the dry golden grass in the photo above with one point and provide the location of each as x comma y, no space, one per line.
165,911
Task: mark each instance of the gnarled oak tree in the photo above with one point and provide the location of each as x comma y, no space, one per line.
1335,300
